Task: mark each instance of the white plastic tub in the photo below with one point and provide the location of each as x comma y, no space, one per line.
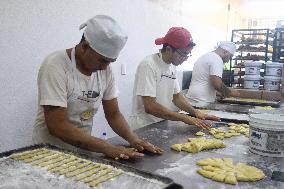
252,68
272,83
251,81
274,69
267,134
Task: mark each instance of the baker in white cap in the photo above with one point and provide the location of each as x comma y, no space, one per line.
72,84
207,75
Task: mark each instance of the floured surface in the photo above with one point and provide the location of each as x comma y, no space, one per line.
229,115
16,174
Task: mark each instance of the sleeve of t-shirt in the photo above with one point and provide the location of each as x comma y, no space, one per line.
216,68
146,81
111,90
52,88
176,87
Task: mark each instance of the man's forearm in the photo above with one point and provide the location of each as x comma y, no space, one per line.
74,136
59,126
120,126
224,90
180,101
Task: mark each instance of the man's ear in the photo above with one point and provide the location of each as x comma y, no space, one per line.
84,46
168,48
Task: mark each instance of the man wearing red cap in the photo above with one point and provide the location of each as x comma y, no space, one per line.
156,94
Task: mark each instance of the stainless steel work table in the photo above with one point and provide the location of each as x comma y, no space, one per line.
181,167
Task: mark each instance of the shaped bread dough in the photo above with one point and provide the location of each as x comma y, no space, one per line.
176,147
198,144
223,170
200,133
248,173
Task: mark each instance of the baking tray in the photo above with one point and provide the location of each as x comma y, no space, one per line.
236,108
169,184
275,104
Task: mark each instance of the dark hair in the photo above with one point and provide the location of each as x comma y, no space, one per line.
165,47
83,39
190,45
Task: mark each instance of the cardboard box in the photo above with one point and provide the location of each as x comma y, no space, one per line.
249,93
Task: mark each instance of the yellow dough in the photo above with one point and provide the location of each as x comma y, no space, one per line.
200,133
234,130
176,147
196,145
247,100
223,170
68,165
248,173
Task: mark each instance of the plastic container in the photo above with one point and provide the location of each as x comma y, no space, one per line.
267,134
272,83
274,69
252,68
251,81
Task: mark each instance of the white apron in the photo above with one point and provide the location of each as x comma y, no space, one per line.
83,101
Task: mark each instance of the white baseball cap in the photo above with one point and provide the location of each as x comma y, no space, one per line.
104,35
228,46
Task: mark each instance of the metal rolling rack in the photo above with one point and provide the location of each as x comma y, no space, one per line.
252,45
278,45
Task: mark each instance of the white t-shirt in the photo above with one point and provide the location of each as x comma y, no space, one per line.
60,83
201,88
153,78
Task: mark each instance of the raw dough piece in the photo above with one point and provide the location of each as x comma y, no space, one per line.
196,145
68,165
223,170
200,133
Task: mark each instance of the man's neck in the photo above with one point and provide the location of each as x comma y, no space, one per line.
79,64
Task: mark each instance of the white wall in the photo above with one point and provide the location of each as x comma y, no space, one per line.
32,29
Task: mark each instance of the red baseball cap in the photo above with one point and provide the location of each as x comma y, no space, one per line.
178,37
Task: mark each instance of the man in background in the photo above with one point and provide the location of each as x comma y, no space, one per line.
207,75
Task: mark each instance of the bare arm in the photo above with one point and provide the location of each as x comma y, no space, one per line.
154,108
117,121
119,125
180,101
59,126
220,86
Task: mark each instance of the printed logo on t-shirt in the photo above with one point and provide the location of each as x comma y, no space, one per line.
90,94
170,76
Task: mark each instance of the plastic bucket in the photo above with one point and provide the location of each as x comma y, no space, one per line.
272,83
252,68
267,134
251,81
274,69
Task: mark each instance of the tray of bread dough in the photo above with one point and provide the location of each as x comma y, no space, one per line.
44,166
248,101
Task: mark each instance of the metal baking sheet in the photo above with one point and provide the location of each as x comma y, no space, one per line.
274,104
237,108
17,174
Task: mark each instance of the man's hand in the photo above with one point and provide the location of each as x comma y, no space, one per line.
121,152
203,116
142,145
195,121
235,93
